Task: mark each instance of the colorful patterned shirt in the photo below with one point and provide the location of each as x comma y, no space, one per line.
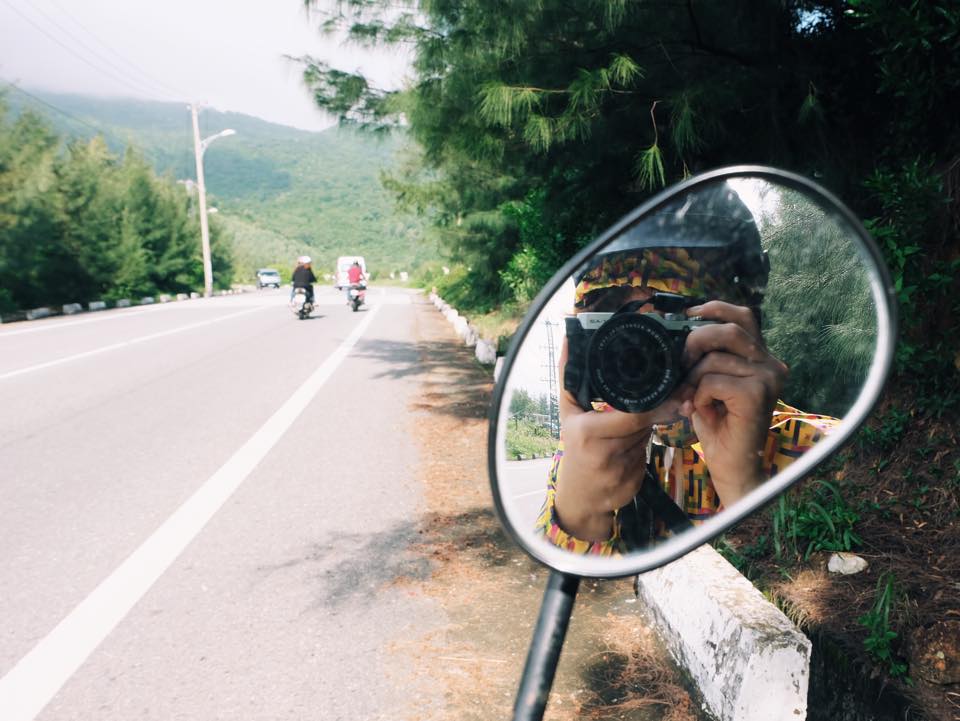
677,460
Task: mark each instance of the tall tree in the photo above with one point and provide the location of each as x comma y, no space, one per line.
576,111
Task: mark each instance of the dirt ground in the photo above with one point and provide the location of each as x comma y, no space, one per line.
612,667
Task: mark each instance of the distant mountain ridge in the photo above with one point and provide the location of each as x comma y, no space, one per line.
281,191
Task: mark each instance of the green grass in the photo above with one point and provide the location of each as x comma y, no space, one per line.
821,520
879,641
526,438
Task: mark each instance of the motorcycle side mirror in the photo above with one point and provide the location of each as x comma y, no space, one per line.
767,345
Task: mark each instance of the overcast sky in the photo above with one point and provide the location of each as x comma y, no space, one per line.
225,53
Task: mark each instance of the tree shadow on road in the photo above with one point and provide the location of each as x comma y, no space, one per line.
465,390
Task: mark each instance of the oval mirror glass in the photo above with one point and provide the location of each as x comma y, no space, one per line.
691,364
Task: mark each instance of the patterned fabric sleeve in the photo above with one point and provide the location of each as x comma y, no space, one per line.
548,527
686,478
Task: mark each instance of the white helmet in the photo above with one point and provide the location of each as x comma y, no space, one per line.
303,259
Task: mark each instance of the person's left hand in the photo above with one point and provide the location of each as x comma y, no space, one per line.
732,387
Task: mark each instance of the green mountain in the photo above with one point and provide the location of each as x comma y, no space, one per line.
280,191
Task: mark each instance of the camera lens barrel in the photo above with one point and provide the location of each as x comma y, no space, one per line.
633,362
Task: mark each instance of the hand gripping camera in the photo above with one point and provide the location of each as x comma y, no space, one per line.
627,359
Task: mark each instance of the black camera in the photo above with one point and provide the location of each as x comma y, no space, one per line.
629,360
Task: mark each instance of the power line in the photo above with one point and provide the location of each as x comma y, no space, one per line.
52,107
73,52
158,83
106,132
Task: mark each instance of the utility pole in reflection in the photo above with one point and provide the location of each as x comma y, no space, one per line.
552,383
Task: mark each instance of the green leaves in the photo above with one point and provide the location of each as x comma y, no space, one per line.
880,638
623,70
555,95
503,104
80,224
550,116
649,168
819,521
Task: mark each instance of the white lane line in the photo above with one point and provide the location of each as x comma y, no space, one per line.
538,492
39,675
70,324
123,344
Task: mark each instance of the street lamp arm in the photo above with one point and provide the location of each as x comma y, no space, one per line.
222,134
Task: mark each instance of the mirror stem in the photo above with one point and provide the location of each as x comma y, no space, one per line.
545,647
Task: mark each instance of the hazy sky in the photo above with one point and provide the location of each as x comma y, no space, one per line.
225,53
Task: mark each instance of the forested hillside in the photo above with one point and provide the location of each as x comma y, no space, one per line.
280,191
79,222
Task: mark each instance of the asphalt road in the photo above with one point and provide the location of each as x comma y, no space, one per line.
521,483
204,504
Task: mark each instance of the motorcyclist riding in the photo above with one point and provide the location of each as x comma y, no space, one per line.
303,277
355,278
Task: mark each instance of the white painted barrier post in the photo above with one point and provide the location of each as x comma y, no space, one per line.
749,661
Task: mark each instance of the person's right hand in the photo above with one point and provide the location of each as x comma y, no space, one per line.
604,461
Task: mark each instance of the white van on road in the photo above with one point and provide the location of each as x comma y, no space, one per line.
344,262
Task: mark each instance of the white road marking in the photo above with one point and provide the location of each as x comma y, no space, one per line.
122,344
39,675
538,492
69,324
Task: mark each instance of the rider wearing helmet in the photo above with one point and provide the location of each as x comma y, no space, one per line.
303,277
613,466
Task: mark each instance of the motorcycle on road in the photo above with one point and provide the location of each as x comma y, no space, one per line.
631,357
300,304
357,296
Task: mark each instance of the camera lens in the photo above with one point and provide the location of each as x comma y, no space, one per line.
632,362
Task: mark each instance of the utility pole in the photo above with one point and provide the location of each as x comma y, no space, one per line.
552,382
199,146
202,196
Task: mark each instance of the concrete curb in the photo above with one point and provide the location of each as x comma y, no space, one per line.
98,305
748,661
485,351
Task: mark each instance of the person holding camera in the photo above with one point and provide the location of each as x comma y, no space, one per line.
678,415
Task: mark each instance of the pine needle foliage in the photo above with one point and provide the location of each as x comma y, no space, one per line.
650,170
553,96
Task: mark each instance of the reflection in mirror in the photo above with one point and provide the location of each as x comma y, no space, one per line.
697,354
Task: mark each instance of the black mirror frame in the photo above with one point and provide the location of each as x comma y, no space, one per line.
618,566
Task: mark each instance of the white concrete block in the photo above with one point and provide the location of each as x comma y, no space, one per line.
123,303
471,337
193,296
72,308
148,300
36,313
486,352
460,326
749,661
182,296
164,298
97,305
